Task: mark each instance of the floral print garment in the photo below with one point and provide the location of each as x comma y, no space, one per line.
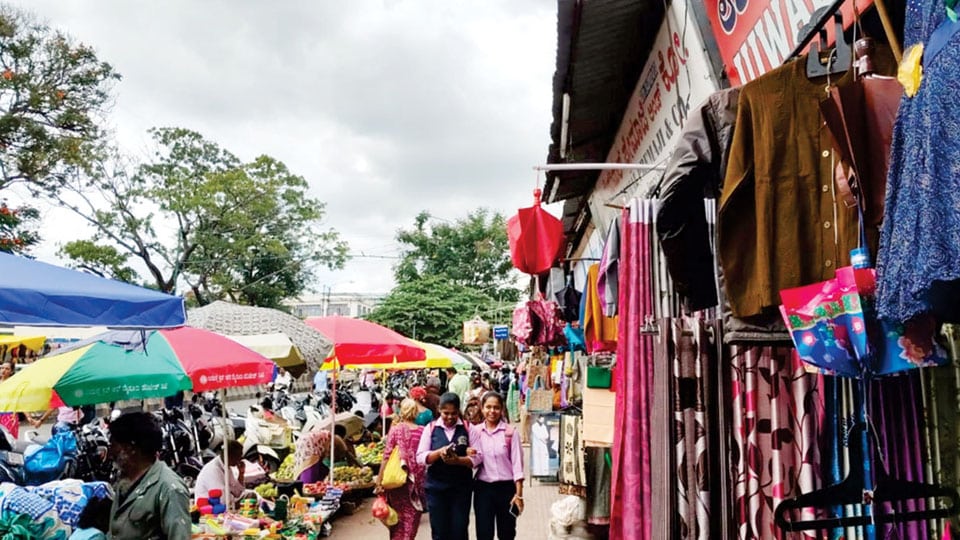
406,500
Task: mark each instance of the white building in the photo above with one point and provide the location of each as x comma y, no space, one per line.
353,305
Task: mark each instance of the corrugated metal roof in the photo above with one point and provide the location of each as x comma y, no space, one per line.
602,46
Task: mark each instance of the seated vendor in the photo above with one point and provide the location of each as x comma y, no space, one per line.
312,455
212,475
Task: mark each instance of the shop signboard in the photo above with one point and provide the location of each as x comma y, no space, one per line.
501,332
676,78
755,36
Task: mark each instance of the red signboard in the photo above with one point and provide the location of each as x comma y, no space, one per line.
755,36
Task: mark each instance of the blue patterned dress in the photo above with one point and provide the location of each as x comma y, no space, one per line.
920,236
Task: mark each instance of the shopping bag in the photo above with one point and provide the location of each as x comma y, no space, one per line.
384,512
394,472
476,331
826,323
539,398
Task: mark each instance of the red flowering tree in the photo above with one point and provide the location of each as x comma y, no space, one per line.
16,233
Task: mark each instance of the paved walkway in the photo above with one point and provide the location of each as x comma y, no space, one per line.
532,525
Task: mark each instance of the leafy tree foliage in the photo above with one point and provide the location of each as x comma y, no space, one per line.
473,252
433,308
195,214
53,93
16,234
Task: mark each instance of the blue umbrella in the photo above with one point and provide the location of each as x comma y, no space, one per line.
33,293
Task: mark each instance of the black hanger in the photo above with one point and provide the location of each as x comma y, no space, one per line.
840,56
852,491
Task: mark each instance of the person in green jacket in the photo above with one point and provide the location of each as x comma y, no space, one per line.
150,501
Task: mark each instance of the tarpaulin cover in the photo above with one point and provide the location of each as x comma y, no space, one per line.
39,294
535,238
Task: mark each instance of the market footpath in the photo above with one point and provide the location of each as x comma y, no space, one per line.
532,525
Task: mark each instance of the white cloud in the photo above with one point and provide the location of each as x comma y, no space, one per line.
386,107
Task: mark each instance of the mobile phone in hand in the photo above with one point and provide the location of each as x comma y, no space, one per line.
514,510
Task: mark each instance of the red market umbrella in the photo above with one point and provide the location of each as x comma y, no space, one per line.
535,238
214,362
359,342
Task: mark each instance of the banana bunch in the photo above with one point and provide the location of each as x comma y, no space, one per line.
267,491
285,472
369,454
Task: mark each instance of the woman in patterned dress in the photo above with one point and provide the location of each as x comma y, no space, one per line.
408,499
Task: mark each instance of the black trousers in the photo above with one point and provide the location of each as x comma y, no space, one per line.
491,504
449,511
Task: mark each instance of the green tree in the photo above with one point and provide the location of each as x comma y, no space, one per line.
195,214
53,94
433,308
16,228
472,252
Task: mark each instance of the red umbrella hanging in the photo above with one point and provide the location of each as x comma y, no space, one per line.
535,238
358,342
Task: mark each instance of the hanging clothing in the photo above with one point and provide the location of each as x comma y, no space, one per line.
609,272
919,261
695,172
780,225
600,330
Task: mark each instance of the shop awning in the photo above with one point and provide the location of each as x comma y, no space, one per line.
602,46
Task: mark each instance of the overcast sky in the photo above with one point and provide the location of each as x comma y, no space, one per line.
386,107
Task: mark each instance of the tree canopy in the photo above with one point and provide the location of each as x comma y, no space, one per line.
53,94
16,228
472,252
195,214
433,308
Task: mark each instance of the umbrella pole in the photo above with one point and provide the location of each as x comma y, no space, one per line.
333,422
226,454
383,417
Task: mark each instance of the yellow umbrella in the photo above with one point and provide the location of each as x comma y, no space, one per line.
34,343
277,347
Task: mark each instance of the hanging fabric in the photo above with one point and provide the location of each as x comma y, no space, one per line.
631,497
609,271
600,330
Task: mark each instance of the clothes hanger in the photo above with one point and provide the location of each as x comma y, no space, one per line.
852,491
838,61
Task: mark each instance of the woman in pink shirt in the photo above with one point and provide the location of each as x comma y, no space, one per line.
498,487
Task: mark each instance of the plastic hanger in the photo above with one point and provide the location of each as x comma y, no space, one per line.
840,56
852,491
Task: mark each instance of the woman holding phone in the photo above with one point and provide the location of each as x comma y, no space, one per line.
498,489
445,448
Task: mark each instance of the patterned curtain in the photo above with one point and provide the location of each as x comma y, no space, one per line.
774,455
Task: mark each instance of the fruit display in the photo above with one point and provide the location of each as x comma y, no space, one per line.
267,491
369,454
353,477
285,472
316,488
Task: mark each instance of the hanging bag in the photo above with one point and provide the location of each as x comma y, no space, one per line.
540,399
599,373
394,472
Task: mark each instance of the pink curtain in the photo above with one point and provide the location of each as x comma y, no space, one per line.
630,500
777,408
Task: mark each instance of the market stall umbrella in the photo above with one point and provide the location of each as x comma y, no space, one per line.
360,342
236,320
39,294
276,347
11,345
437,357
535,238
134,365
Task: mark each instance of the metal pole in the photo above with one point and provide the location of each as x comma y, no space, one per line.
226,452
599,167
333,420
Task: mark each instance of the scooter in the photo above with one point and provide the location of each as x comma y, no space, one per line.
265,442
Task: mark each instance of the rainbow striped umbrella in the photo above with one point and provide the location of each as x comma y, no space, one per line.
134,365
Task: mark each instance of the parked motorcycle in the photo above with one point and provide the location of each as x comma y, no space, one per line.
179,450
